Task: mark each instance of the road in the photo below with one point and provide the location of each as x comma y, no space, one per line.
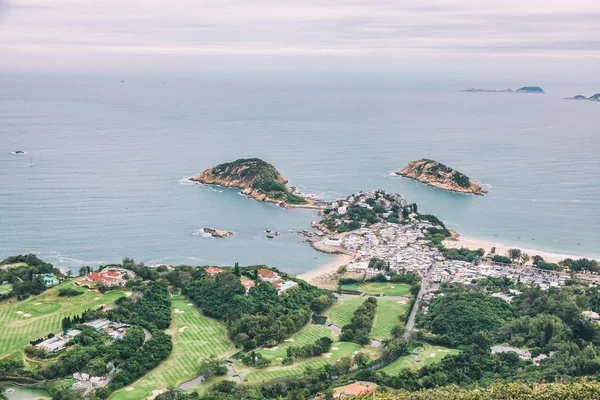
410,324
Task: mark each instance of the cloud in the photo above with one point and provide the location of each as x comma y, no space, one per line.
378,28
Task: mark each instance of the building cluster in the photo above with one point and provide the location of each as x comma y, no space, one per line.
522,353
115,330
111,277
452,271
265,275
58,341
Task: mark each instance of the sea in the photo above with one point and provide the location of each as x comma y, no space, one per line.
111,154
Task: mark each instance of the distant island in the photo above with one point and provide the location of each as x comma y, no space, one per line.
257,179
530,89
595,97
475,90
438,175
524,89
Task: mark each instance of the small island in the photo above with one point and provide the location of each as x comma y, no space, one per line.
595,97
217,233
438,175
257,179
530,89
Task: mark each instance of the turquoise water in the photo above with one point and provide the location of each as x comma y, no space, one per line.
110,157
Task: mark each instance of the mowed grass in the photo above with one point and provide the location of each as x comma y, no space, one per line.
351,286
341,312
194,338
23,321
386,317
309,334
386,288
420,357
338,350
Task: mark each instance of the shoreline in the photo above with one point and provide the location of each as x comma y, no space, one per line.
501,248
312,276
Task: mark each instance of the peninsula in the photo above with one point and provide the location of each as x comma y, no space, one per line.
257,179
438,175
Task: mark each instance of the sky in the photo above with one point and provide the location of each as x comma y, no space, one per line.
553,37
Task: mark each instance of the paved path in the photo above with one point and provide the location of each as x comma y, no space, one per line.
410,325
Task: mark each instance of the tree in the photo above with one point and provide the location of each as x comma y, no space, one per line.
537,260
211,366
236,269
492,250
525,258
361,359
514,254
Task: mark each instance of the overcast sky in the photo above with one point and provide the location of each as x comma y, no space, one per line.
459,35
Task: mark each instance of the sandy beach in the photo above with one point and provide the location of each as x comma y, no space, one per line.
473,244
318,276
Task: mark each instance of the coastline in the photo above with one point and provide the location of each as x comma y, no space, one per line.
315,276
501,249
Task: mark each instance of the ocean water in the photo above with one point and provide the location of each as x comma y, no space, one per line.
111,157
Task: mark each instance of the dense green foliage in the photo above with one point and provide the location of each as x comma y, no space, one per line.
437,170
454,318
262,318
362,321
320,346
463,254
25,276
150,310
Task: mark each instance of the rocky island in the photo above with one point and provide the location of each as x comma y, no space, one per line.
530,89
217,233
257,179
438,175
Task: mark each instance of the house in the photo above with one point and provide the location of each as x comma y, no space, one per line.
523,354
53,344
353,390
213,271
284,286
591,315
372,272
49,280
247,285
98,324
107,277
267,275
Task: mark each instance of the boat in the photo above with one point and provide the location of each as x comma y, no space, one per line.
18,152
270,236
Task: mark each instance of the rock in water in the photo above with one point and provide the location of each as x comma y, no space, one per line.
218,233
438,175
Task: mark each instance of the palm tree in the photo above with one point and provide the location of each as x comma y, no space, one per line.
525,258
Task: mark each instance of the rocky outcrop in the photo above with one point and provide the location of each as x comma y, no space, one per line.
218,233
257,179
595,97
438,175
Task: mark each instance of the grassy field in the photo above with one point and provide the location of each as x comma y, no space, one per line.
194,337
338,350
341,313
5,289
386,317
351,286
23,321
386,288
426,355
309,334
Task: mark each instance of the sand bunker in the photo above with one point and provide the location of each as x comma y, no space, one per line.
289,340
37,304
335,348
20,312
182,329
178,311
27,315
327,355
190,304
129,389
155,393
431,354
273,348
128,294
97,298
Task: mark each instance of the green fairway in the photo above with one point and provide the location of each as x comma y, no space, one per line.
5,289
352,286
194,337
386,288
22,321
419,357
386,317
341,313
309,334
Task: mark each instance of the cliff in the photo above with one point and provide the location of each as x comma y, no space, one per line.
257,179
530,89
438,175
